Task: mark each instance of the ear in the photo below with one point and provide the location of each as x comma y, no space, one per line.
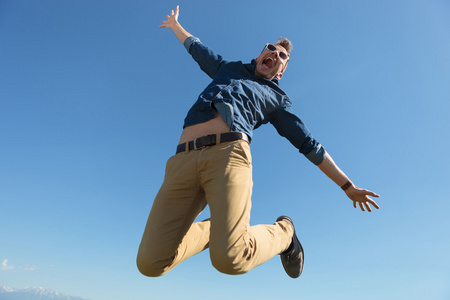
278,76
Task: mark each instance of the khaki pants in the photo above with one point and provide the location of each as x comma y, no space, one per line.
221,177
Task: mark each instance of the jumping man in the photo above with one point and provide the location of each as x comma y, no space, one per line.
212,166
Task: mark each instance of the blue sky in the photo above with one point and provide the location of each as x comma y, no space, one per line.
92,99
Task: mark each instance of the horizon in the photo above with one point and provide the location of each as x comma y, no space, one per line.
40,291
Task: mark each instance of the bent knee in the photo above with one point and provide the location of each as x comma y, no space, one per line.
152,268
228,264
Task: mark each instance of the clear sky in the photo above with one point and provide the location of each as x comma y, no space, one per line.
92,100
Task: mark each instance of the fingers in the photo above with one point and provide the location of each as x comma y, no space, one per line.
363,205
370,193
373,194
374,204
164,24
173,14
368,207
177,11
363,199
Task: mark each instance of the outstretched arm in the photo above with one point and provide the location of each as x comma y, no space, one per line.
172,23
356,194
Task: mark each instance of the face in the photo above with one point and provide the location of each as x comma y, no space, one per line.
270,65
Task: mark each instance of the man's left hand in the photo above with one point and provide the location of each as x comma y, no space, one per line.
361,197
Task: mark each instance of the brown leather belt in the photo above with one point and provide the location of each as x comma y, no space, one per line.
211,140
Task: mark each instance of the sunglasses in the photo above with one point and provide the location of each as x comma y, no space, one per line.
271,47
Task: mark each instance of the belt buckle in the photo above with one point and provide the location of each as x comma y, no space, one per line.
195,143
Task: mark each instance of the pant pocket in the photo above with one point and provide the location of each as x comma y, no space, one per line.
244,150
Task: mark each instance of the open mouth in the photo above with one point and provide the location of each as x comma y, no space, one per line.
268,63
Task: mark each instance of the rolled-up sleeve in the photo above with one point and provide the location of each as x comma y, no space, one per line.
189,41
291,127
317,155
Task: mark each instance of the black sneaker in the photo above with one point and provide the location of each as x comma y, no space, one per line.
292,258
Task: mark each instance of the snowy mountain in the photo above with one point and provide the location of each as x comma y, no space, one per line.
38,293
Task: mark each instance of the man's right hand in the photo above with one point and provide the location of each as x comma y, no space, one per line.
172,20
172,23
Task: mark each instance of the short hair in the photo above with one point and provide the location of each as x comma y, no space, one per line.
285,43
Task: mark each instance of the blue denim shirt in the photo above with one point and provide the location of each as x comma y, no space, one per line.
246,101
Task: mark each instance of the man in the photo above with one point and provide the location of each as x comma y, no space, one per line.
212,167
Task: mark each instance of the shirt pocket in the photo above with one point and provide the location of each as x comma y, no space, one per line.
226,93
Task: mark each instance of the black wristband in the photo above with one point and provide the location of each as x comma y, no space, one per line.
347,185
